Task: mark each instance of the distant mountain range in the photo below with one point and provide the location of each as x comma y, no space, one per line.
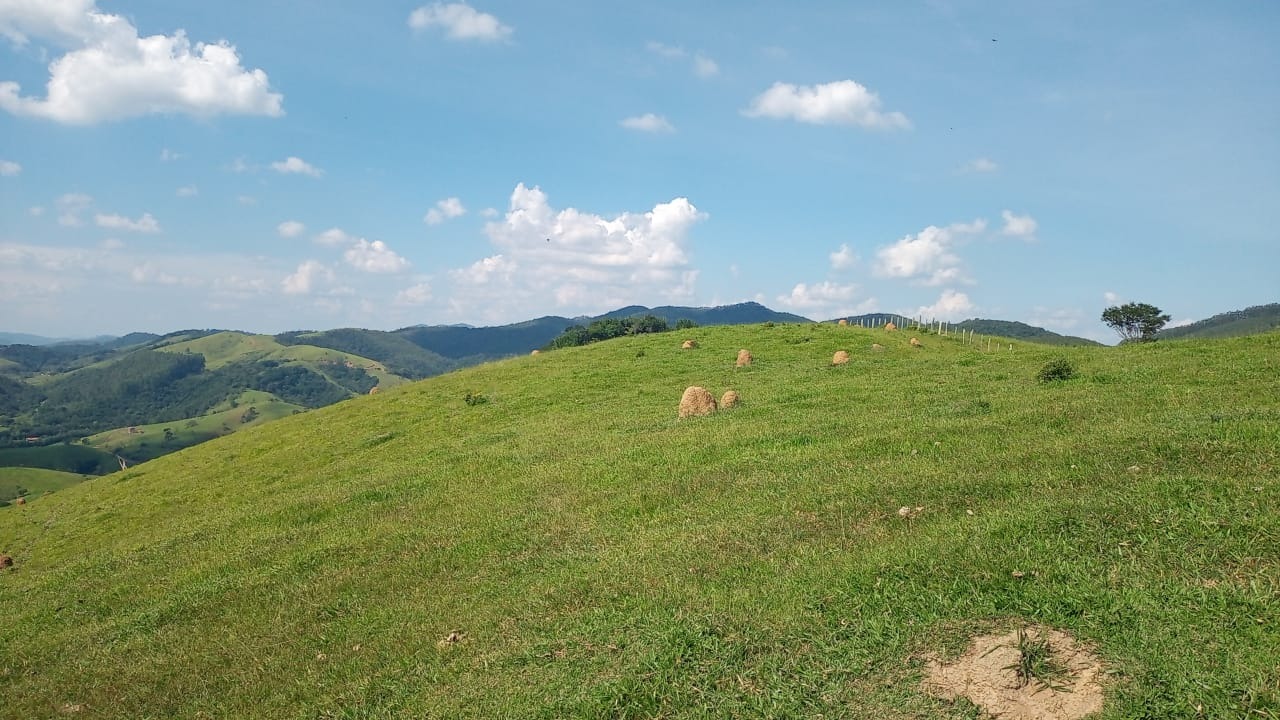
1021,331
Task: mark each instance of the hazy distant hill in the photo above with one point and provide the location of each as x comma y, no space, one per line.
476,344
1021,331
1250,321
739,314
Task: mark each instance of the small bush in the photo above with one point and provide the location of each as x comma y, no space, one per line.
474,398
1055,370
685,324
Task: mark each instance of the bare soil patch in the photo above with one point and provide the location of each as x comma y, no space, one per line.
987,674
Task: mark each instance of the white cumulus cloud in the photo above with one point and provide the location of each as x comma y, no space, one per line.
705,67
548,259
333,237
415,295
844,258
648,122
290,229
144,224
109,72
927,256
460,21
9,168
980,165
308,275
445,209
70,207
951,306
844,102
374,256
1112,298
825,300
188,191
1020,226
296,166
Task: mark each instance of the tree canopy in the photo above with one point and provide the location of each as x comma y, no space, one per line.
1135,322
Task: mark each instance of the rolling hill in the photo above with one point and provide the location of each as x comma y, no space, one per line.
541,537
1252,320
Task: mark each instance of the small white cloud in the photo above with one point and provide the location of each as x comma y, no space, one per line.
951,306
927,256
188,191
489,212
980,165
290,229
8,168
844,258
705,67
648,122
460,21
670,52
1112,298
167,155
444,210
111,244
296,166
70,207
110,73
844,102
144,224
826,299
1180,323
419,294
1020,226
333,237
309,273
374,257
35,210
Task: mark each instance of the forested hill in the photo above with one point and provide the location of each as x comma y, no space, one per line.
1250,321
1021,331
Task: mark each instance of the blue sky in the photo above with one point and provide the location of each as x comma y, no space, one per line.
276,166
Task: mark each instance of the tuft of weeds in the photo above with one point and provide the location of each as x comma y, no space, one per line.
1056,370
474,398
1036,663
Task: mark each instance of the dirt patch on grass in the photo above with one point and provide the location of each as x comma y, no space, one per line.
1064,681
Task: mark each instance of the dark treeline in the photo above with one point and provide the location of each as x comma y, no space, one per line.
607,328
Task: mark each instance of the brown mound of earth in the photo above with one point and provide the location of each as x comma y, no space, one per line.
744,358
915,343
890,326
6,561
986,674
536,352
843,322
840,358
877,346
688,345
729,399
696,401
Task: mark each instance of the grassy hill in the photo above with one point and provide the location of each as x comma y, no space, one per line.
34,482
562,546
1252,320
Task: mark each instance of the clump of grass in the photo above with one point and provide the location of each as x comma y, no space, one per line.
1036,663
1056,370
474,398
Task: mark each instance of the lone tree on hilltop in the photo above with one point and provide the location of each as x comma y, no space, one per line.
1135,322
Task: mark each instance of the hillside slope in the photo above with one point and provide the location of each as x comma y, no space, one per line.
1250,321
542,538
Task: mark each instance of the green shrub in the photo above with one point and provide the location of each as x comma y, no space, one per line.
474,398
1055,370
